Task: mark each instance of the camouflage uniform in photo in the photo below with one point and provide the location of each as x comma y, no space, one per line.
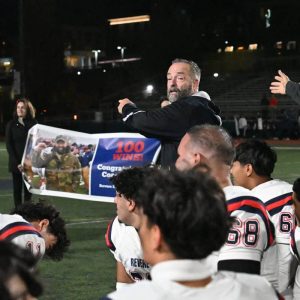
62,171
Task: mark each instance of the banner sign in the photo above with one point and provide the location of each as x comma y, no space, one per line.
65,163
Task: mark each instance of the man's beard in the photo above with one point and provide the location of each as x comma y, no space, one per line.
179,93
61,150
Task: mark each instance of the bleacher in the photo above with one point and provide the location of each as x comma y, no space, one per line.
242,94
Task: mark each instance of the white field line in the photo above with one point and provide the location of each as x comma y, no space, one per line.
286,148
89,222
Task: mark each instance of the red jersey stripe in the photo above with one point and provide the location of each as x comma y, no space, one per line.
279,203
15,229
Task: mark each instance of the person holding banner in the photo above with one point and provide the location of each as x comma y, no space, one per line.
15,138
188,107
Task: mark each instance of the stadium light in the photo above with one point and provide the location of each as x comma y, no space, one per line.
149,89
96,52
122,49
127,20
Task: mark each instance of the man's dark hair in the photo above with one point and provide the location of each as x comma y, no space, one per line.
257,153
296,188
15,261
213,139
39,211
129,181
190,210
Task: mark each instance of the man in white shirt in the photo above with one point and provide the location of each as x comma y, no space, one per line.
183,220
253,166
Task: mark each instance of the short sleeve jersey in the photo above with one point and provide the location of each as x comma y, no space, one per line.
252,232
277,196
295,249
17,230
124,243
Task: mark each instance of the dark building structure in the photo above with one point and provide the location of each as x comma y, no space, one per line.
68,52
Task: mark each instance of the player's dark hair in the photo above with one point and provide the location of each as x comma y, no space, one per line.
257,153
129,181
296,188
190,210
213,139
15,261
39,211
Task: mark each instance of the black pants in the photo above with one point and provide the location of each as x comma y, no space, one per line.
18,186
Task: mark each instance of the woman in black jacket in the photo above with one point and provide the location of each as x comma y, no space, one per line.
16,135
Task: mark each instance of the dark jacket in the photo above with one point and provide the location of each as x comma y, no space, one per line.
293,90
15,137
169,124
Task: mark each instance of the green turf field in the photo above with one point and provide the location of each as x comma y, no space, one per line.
87,272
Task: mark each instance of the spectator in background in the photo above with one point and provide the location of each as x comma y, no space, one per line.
15,137
243,126
273,101
258,126
283,85
236,125
188,107
264,102
273,104
17,276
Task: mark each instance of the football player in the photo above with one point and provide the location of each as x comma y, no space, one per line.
252,168
295,237
184,219
37,227
252,232
122,237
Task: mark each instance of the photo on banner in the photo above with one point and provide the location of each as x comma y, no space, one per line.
66,163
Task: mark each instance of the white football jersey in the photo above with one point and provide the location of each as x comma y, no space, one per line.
277,196
252,232
20,232
295,249
224,285
124,242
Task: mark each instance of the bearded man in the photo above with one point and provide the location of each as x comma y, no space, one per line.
169,124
